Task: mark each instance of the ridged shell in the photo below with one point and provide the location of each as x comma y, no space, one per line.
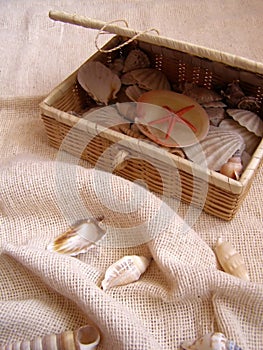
134,92
215,150
248,119
216,115
79,238
230,260
210,341
136,59
147,78
124,271
85,338
99,81
250,139
200,94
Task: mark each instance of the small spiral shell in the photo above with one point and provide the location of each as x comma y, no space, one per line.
210,341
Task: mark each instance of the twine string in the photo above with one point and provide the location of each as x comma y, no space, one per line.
103,31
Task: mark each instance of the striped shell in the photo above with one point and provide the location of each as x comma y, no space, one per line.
251,121
147,78
215,149
210,341
85,338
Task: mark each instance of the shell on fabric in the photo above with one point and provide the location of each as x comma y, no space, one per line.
147,78
230,260
124,271
79,238
250,120
250,139
214,104
215,149
215,114
84,338
99,81
134,92
210,341
136,59
232,168
200,94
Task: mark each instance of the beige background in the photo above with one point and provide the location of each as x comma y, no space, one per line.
36,54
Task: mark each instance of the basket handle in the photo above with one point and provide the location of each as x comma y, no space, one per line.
102,27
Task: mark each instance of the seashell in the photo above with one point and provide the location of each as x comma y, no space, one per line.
214,104
147,78
245,158
233,94
127,110
210,341
177,152
134,92
216,148
124,271
131,131
99,81
230,260
249,103
232,168
79,238
85,338
117,66
250,139
200,94
216,115
136,59
250,120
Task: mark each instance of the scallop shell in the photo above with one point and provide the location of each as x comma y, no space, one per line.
215,149
248,119
79,238
250,139
134,92
230,260
136,59
99,81
85,338
215,114
124,271
200,94
147,78
210,341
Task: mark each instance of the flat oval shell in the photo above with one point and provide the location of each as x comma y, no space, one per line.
250,139
248,119
215,150
136,59
99,81
181,135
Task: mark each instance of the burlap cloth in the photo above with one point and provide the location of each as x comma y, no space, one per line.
183,294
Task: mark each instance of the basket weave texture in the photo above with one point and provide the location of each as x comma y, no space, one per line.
161,171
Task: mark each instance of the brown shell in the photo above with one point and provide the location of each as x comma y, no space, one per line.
200,94
233,94
147,78
134,92
136,59
249,103
251,121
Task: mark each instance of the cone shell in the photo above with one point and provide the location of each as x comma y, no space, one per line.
230,260
210,341
124,271
85,338
136,59
99,81
147,78
79,238
200,94
251,121
215,150
250,139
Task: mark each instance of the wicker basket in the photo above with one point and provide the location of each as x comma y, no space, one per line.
163,172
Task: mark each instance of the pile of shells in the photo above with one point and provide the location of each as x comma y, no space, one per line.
235,127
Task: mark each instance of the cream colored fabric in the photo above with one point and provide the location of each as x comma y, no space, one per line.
183,294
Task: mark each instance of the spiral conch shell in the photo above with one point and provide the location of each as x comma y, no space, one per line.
85,338
210,341
230,260
124,271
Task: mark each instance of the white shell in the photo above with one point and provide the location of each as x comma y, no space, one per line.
134,92
249,120
124,271
136,59
250,139
230,260
215,149
79,238
99,81
210,341
147,78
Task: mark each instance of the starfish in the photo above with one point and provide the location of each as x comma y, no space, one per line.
174,117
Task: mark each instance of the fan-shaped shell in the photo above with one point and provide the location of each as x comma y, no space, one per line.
134,92
215,149
124,271
200,94
136,59
248,119
250,139
99,81
147,78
